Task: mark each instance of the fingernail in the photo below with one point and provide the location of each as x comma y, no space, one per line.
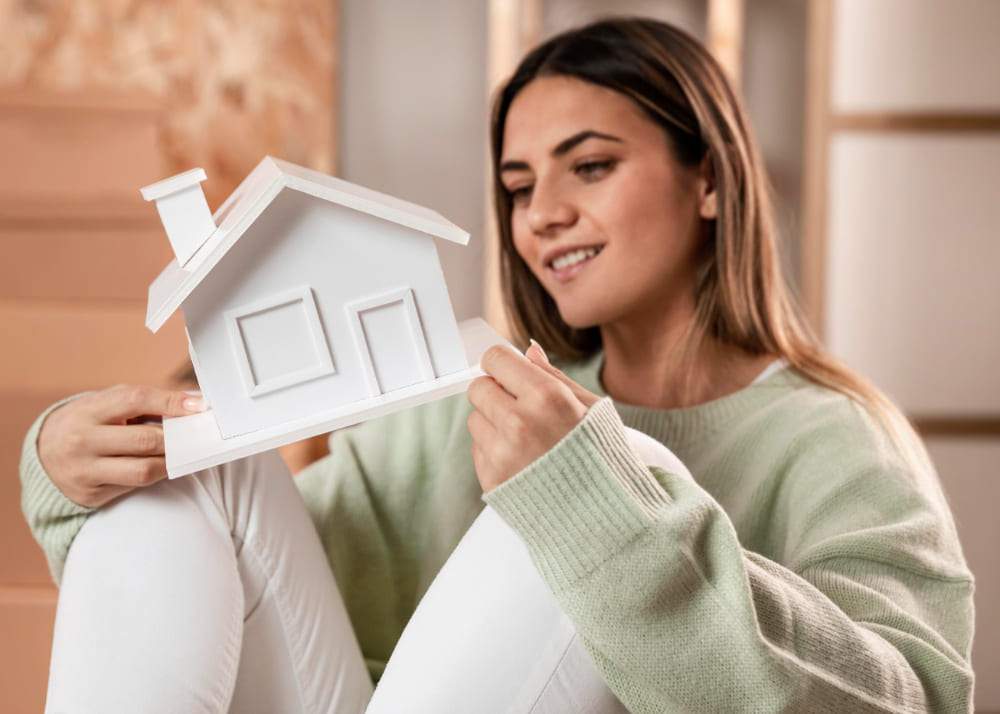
544,356
194,404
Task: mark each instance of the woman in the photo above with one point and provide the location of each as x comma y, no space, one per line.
810,564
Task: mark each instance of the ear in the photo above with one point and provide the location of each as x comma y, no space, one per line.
707,197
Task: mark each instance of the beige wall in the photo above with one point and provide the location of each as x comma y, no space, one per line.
414,117
912,247
916,54
774,79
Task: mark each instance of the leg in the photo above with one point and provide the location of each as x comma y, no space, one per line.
208,593
489,635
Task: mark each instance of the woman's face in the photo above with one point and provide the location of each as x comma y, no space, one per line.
602,212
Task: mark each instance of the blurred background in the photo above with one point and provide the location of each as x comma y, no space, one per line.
879,120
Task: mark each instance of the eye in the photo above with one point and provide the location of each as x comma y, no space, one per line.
520,194
593,170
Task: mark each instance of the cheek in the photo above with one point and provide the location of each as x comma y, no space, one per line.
525,246
655,219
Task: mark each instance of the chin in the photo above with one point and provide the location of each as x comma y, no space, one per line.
581,316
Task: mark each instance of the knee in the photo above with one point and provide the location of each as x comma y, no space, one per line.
225,500
159,515
652,453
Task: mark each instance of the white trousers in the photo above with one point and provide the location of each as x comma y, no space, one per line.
212,593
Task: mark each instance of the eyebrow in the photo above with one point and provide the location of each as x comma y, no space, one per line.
562,148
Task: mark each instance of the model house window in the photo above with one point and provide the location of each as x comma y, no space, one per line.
279,342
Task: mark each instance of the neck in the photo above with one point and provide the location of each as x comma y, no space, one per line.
645,363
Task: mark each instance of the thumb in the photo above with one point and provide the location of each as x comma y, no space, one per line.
536,355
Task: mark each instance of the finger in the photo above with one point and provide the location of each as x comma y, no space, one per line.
483,432
478,463
490,399
485,472
512,370
537,356
131,440
107,494
132,471
145,419
126,402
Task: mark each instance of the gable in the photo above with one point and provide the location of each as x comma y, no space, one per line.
239,212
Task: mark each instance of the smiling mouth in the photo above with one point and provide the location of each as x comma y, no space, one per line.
569,264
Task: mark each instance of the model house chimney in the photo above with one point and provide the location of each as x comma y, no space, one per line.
183,211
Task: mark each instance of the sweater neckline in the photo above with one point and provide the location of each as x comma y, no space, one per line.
682,425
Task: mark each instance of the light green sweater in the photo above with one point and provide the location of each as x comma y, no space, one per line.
810,568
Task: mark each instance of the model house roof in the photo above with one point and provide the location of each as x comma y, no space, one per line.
249,200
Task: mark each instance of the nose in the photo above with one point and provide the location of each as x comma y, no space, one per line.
549,211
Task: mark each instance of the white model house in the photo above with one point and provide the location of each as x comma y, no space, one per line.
304,295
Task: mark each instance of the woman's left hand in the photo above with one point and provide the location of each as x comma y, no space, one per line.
521,409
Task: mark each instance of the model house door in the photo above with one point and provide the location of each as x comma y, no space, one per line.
391,341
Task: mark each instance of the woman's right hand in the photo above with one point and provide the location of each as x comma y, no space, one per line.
94,451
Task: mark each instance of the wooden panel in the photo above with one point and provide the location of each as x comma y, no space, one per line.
98,100
237,79
513,28
774,91
925,122
725,36
300,454
26,618
912,54
73,152
812,253
935,425
117,261
66,347
912,295
968,472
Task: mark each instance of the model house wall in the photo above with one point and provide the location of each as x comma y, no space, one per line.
315,306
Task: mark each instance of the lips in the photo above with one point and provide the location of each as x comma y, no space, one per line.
567,263
562,254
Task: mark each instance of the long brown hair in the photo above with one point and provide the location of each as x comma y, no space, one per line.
742,297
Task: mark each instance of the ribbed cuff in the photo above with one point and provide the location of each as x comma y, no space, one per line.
41,500
583,500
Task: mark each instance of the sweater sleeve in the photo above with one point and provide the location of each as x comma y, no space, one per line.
54,519
677,616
